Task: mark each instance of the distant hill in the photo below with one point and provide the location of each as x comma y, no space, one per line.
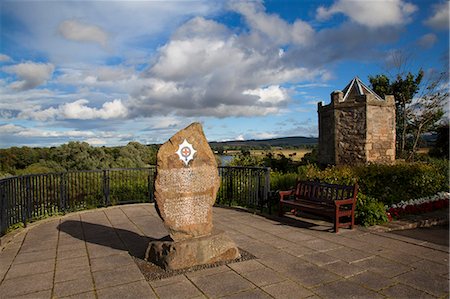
281,142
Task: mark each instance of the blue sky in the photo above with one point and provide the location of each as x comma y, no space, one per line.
111,72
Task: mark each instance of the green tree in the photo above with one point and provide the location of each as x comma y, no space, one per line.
426,111
441,146
42,166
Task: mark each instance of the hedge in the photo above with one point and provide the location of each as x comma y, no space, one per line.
380,185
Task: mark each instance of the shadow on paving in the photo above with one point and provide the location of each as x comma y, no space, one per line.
301,220
435,234
115,238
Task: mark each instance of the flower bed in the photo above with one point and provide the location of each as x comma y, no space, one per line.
418,206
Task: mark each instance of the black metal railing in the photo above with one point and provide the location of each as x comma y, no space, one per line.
36,196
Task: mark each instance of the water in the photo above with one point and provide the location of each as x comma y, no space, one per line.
225,160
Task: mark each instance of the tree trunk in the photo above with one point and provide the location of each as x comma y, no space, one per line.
403,138
416,141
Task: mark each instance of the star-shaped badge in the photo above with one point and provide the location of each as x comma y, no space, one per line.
186,152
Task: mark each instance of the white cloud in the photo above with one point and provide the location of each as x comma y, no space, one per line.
96,141
272,94
240,137
82,32
204,69
20,135
130,26
207,70
31,74
32,132
78,110
440,18
4,58
427,40
168,122
272,26
264,135
373,14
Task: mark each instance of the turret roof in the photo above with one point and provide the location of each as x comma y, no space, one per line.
357,88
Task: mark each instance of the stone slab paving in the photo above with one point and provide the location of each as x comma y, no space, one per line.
91,255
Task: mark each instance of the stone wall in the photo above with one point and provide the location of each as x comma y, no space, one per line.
350,131
326,136
380,144
357,131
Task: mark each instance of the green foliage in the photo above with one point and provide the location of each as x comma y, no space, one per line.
282,181
441,146
42,166
279,163
369,211
402,181
75,156
343,175
4,174
311,157
245,159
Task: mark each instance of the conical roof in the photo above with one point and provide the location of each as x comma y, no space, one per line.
357,88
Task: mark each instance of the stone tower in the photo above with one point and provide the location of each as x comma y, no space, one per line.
358,126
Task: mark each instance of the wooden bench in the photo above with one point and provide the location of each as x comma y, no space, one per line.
334,201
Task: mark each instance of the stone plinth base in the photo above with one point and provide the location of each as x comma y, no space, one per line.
175,255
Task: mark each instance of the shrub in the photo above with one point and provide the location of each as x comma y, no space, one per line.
403,181
369,211
282,181
245,159
343,175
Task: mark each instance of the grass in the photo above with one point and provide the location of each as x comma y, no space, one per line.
295,154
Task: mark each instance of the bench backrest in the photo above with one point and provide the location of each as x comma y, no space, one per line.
323,192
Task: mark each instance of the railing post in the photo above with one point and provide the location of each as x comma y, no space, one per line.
28,201
267,190
62,193
230,185
3,224
106,187
150,180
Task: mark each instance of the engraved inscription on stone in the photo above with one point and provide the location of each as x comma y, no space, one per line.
188,210
187,179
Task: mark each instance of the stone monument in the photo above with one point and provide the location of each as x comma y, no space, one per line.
186,186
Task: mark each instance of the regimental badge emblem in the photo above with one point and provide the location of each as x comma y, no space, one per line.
186,152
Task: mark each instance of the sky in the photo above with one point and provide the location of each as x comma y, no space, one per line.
111,72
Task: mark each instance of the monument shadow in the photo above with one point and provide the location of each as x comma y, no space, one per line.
116,238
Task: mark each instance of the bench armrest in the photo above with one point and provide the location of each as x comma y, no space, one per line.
286,193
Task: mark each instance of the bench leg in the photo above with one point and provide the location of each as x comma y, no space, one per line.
336,221
280,209
353,219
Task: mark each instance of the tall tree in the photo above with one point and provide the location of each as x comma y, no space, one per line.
426,111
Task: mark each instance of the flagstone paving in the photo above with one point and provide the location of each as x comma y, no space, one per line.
91,255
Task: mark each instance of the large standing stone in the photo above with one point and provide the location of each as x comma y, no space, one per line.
185,191
186,186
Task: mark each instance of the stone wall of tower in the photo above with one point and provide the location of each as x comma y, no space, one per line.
326,150
380,143
350,131
356,131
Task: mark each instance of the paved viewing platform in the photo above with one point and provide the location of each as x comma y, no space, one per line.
92,254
